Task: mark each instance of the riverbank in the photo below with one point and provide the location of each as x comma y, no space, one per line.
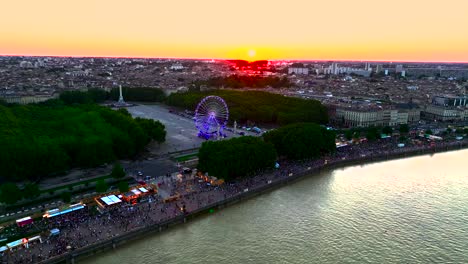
302,170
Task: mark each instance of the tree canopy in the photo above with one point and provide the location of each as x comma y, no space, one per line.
236,157
123,186
404,128
9,193
117,171
43,139
302,140
245,81
101,186
373,133
80,97
31,190
66,197
257,106
387,130
140,94
153,128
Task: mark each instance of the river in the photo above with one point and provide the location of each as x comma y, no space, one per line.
412,210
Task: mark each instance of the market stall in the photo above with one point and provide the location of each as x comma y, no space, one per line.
107,201
24,221
69,209
54,232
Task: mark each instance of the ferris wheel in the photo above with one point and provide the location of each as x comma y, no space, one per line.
211,116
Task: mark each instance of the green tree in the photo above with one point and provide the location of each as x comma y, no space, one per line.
123,186
66,197
31,190
404,128
236,157
44,140
372,134
348,134
428,132
9,193
153,128
101,186
258,106
117,171
356,134
387,130
302,141
140,94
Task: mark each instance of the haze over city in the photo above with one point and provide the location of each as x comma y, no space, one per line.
298,29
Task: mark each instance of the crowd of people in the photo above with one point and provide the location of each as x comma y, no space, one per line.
88,226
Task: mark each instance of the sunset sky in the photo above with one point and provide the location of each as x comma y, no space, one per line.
398,30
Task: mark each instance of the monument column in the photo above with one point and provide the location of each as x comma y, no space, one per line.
121,100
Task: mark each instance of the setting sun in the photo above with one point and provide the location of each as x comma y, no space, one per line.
252,53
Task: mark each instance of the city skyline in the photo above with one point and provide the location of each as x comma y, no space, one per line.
422,31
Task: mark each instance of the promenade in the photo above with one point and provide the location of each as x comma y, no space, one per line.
86,232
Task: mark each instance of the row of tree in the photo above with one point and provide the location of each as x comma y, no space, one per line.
244,156
10,193
244,81
44,139
237,157
302,140
258,107
140,94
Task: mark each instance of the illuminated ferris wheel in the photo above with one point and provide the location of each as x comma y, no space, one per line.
211,116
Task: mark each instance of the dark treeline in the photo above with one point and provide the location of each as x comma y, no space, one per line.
240,157
88,97
243,81
237,157
257,106
302,140
42,139
139,94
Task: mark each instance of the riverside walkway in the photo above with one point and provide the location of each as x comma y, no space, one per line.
85,231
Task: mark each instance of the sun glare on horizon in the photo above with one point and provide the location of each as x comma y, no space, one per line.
48,28
252,53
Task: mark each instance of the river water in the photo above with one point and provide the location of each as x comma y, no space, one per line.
412,210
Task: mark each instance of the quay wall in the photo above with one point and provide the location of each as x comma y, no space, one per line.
113,243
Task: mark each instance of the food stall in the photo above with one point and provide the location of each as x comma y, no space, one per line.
18,243
54,232
66,210
3,249
107,201
24,221
134,194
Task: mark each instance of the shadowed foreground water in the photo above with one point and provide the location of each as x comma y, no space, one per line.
404,211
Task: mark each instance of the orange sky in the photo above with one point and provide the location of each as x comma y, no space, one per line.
397,30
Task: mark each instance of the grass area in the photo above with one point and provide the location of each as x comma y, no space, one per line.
186,157
76,184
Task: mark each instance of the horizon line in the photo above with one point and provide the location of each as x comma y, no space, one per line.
225,59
